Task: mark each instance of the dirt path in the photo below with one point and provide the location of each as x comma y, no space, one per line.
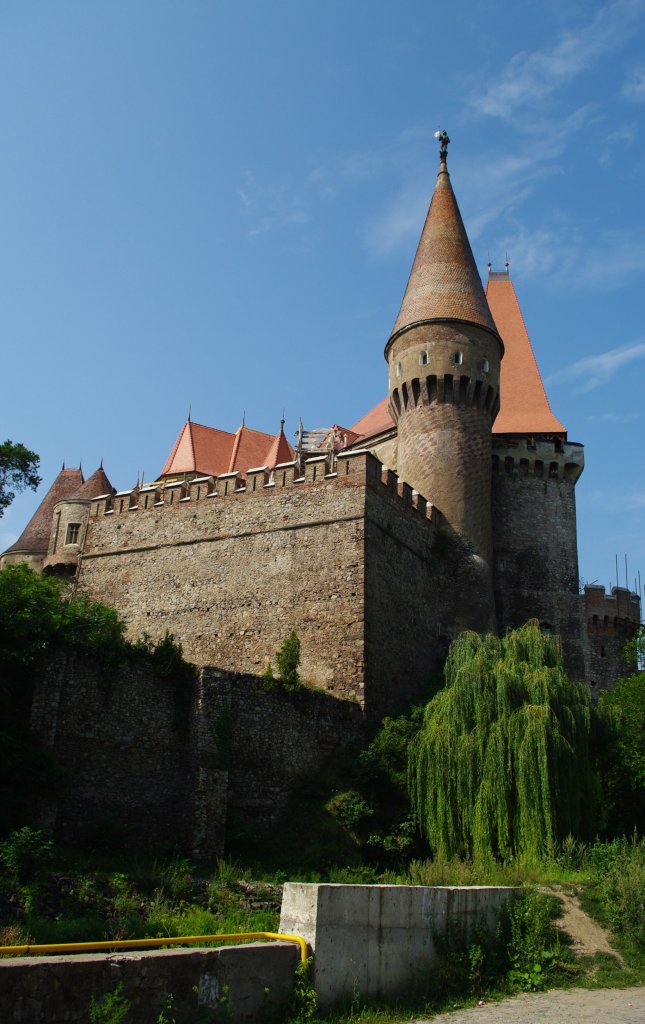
588,937
570,1006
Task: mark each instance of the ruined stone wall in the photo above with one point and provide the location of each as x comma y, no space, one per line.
154,772
270,741
128,748
535,542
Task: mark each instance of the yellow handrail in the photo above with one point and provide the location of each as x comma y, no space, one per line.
180,940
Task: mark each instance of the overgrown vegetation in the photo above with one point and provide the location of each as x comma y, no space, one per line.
39,614
501,766
287,661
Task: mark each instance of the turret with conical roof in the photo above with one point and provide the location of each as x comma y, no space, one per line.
69,524
444,357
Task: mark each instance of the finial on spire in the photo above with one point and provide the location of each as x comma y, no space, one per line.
190,409
244,417
444,142
282,422
506,264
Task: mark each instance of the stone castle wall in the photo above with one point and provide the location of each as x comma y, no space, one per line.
153,772
231,571
611,620
535,543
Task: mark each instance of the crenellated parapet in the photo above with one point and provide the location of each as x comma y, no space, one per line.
446,389
352,467
544,459
615,614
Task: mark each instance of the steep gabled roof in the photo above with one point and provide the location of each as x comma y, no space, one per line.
279,451
524,407
35,536
444,282
199,449
249,449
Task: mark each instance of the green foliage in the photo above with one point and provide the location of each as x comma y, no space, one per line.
287,662
501,765
303,1001
113,1008
635,650
619,879
532,941
25,854
620,721
18,466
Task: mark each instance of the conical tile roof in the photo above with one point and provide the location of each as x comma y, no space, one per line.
524,406
444,282
95,485
35,536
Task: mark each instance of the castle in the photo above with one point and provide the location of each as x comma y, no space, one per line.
448,506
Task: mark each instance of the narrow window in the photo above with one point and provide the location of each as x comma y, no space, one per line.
458,358
73,530
398,369
423,359
485,365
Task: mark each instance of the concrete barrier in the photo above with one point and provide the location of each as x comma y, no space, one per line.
378,941
236,984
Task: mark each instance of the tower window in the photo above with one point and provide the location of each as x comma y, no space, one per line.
458,358
485,365
73,530
423,359
398,369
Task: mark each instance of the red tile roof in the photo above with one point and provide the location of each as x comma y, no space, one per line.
95,485
444,282
35,536
200,449
376,421
249,450
524,407
280,451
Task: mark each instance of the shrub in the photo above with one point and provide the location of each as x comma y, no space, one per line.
287,662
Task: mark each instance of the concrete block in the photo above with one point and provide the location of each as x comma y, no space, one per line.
378,941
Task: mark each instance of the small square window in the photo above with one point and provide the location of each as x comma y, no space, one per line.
73,531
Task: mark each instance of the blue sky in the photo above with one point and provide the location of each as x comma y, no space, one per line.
216,205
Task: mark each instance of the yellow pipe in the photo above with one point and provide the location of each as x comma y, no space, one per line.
182,940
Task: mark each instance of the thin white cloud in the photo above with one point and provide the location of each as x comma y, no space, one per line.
530,77
611,143
634,87
592,371
558,251
613,417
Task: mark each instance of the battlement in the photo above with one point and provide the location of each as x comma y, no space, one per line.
353,467
448,389
618,612
544,459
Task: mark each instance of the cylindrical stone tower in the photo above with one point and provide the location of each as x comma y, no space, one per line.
444,357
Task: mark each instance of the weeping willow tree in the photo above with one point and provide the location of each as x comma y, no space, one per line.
501,764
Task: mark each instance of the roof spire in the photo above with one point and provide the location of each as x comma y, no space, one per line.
444,282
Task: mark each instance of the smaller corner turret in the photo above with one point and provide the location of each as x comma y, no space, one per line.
69,524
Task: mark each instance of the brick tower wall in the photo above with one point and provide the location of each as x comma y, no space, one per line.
444,411
535,541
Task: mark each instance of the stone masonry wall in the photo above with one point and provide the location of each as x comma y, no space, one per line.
535,543
129,759
611,620
137,773
231,575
